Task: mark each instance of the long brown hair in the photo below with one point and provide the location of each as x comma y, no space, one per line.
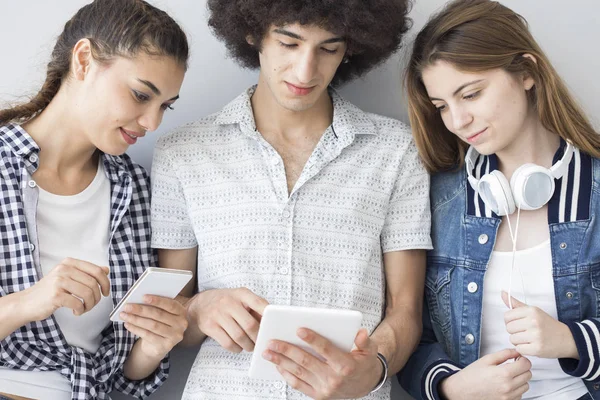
114,28
476,36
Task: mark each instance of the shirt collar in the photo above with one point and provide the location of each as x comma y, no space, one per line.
23,146
348,120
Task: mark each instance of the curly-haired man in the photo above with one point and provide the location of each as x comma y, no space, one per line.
292,195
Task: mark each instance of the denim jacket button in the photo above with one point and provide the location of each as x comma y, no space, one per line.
472,287
483,238
470,339
563,245
596,386
569,295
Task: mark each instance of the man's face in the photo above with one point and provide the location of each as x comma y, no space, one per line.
297,63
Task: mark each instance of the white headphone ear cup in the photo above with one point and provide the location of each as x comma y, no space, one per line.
495,192
532,186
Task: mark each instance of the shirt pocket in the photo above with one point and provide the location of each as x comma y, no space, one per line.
437,293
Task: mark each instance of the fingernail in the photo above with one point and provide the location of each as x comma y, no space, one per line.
267,356
273,346
123,315
128,308
302,334
147,299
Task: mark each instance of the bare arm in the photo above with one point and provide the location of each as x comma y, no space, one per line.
185,259
398,334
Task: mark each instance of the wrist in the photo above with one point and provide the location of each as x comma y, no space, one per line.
445,388
382,370
21,306
570,347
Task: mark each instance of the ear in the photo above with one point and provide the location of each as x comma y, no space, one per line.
250,40
81,58
528,81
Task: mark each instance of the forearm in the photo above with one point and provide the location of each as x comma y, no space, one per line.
397,336
192,336
12,314
138,365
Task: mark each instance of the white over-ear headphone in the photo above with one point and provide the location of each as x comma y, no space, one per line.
531,186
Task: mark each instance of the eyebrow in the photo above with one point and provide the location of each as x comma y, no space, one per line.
154,89
298,37
461,87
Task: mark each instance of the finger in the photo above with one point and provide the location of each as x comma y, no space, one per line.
516,314
335,357
67,300
166,304
518,367
81,291
221,337
156,327
251,300
363,342
91,269
518,325
527,349
236,333
520,338
295,359
522,379
290,366
153,313
88,281
520,391
148,336
298,384
246,322
515,303
500,357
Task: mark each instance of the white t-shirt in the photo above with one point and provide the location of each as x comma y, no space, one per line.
548,379
75,226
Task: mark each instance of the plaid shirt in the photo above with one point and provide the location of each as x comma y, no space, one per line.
41,345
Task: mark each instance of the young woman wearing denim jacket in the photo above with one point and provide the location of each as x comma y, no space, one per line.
478,79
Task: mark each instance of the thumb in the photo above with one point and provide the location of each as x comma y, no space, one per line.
105,270
500,357
515,303
362,341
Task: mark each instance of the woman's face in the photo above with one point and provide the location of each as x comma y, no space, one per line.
488,110
120,101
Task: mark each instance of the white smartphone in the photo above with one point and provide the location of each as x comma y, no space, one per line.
163,282
282,323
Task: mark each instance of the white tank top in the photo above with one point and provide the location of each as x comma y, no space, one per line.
75,226
548,379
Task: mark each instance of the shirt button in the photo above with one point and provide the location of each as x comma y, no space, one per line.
569,295
283,271
31,184
470,339
483,238
31,247
563,245
275,160
286,214
33,158
278,385
472,287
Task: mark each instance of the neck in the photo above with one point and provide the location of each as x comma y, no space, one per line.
64,148
272,117
535,145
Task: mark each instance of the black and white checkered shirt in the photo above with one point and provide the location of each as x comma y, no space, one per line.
41,346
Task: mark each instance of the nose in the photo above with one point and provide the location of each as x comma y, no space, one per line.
306,66
461,117
151,119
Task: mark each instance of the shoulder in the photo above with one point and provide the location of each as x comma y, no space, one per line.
197,133
446,186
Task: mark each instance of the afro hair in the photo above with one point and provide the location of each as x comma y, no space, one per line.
373,29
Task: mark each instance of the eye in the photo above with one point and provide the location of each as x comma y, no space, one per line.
288,45
139,96
440,108
165,107
472,95
329,51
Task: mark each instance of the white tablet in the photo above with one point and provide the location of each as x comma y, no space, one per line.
283,322
154,281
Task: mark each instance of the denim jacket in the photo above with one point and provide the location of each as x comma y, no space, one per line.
464,234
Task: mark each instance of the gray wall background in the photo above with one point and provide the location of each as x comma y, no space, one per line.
568,31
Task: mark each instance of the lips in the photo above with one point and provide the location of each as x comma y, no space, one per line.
130,136
299,90
474,137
